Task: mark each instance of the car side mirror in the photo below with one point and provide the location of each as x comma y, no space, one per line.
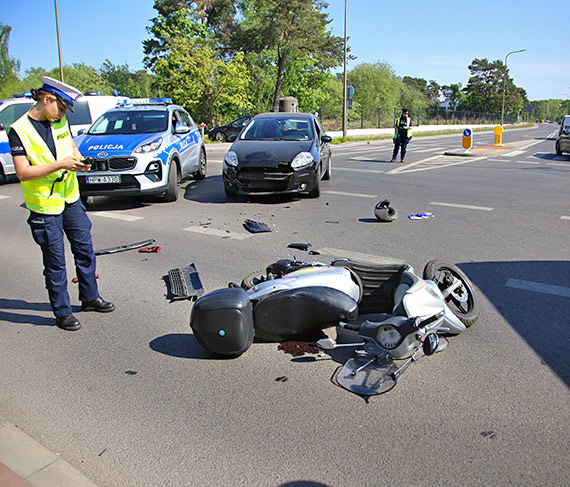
1,126
232,137
82,131
326,138
181,129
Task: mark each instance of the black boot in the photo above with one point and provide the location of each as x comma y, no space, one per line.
67,322
99,305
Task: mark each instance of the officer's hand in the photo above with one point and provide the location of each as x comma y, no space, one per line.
72,164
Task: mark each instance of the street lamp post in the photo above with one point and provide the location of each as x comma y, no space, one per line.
58,43
344,96
505,83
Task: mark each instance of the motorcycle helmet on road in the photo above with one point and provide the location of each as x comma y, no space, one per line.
384,212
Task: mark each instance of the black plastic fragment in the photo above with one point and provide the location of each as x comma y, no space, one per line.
122,248
185,283
255,227
299,246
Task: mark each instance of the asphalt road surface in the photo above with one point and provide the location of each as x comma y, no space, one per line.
132,399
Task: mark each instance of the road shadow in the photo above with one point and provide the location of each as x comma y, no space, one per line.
532,296
181,345
15,311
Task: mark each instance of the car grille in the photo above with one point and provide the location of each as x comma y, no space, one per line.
112,164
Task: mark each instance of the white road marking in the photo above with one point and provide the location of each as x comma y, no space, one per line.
527,162
429,149
557,164
445,161
4,197
373,171
456,205
564,217
216,232
538,287
116,216
342,193
513,153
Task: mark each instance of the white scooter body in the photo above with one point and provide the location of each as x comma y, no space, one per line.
427,300
338,278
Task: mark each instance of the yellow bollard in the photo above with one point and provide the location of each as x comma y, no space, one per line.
498,136
467,140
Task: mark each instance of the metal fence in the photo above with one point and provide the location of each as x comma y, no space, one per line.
425,116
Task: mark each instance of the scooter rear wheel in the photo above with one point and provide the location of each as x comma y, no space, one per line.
461,301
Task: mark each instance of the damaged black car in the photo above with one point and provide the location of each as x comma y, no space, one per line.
278,153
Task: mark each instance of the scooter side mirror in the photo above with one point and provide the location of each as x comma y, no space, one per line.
431,343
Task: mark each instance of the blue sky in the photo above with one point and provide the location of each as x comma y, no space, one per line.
431,40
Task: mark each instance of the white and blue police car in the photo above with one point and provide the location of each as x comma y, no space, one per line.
143,147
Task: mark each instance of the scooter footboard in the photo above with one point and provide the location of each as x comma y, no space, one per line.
301,313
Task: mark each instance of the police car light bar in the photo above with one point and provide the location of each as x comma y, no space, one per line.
144,101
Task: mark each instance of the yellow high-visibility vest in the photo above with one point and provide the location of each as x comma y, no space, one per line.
47,194
409,124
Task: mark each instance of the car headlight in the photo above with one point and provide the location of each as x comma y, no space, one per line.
301,160
149,146
231,159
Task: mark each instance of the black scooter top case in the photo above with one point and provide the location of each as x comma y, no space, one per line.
222,321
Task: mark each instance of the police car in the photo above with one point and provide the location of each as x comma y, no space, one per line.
143,147
87,108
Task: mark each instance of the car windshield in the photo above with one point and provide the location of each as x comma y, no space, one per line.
130,122
293,128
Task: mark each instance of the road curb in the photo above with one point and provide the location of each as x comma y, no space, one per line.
21,457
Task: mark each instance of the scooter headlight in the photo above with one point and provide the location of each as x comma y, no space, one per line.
388,337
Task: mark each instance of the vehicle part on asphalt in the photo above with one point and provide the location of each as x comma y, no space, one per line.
299,246
384,212
184,283
154,250
255,227
122,248
420,216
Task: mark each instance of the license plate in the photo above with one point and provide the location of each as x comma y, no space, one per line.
102,179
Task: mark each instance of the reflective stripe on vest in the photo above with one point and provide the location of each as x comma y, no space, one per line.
47,194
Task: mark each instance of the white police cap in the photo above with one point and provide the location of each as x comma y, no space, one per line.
66,93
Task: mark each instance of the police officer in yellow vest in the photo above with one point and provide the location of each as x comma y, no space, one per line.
402,135
46,160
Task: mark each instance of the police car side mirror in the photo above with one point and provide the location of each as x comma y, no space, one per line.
181,129
82,131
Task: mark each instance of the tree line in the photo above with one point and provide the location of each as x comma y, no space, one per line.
224,58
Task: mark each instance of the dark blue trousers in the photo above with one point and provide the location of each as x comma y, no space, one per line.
400,142
48,231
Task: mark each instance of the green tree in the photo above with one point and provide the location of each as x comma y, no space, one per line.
453,93
9,67
375,86
294,31
484,88
125,82
188,68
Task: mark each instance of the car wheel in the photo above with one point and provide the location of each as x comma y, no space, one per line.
172,189
558,151
316,191
201,172
220,137
328,173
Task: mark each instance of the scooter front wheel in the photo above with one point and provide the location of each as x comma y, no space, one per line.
456,288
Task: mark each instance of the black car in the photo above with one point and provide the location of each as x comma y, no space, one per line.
227,133
278,153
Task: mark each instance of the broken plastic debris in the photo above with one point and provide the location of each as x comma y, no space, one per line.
420,216
255,227
300,246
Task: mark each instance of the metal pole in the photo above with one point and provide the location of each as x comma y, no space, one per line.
344,104
505,83
58,43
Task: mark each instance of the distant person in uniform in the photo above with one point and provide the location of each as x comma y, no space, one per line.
46,160
402,135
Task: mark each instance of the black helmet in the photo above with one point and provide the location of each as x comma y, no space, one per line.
384,212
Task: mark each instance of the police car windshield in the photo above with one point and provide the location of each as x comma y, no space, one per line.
130,122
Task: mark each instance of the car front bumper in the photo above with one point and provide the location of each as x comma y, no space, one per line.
263,181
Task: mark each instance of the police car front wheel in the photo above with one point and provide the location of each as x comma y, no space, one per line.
171,193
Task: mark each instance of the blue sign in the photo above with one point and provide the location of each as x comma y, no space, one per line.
467,133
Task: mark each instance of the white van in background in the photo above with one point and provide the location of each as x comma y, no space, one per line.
86,109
